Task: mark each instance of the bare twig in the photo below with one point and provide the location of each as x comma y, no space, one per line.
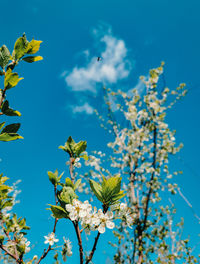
54,230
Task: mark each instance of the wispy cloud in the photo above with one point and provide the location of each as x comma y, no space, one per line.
113,67
85,108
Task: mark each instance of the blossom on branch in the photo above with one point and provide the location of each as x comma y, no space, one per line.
50,239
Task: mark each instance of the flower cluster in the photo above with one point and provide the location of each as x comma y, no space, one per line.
91,219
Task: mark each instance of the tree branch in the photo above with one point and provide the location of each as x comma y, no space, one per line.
93,249
78,234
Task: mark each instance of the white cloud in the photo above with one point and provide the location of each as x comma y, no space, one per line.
114,66
85,108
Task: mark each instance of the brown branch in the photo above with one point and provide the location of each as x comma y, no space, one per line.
78,234
71,168
141,229
152,178
93,249
54,229
49,248
105,209
3,97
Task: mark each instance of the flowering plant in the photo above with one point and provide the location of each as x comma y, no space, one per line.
125,195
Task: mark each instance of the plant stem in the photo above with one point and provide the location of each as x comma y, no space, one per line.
78,234
49,248
54,230
93,249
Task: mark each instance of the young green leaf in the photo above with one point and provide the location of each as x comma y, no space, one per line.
33,46
97,190
77,184
69,183
12,128
69,146
11,79
31,59
20,48
1,239
2,125
9,137
4,56
53,177
67,195
6,110
80,147
58,211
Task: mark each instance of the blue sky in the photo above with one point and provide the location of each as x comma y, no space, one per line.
134,36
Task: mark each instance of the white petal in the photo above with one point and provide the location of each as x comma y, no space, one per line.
82,213
101,229
109,214
68,207
110,224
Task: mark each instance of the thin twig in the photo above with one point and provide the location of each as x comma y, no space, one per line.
49,248
54,230
93,249
78,234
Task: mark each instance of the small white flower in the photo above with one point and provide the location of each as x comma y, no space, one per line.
50,239
78,210
105,221
77,164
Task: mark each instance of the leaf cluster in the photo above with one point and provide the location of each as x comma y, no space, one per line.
74,149
109,191
22,49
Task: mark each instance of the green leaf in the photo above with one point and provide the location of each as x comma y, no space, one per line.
53,177
31,59
1,239
111,185
12,128
7,203
58,211
9,137
69,146
4,56
67,195
77,184
33,46
80,147
97,190
85,157
6,110
20,48
11,79
69,183
2,125
74,149
115,198
5,187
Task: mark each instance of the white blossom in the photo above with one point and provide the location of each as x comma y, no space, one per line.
50,239
105,221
